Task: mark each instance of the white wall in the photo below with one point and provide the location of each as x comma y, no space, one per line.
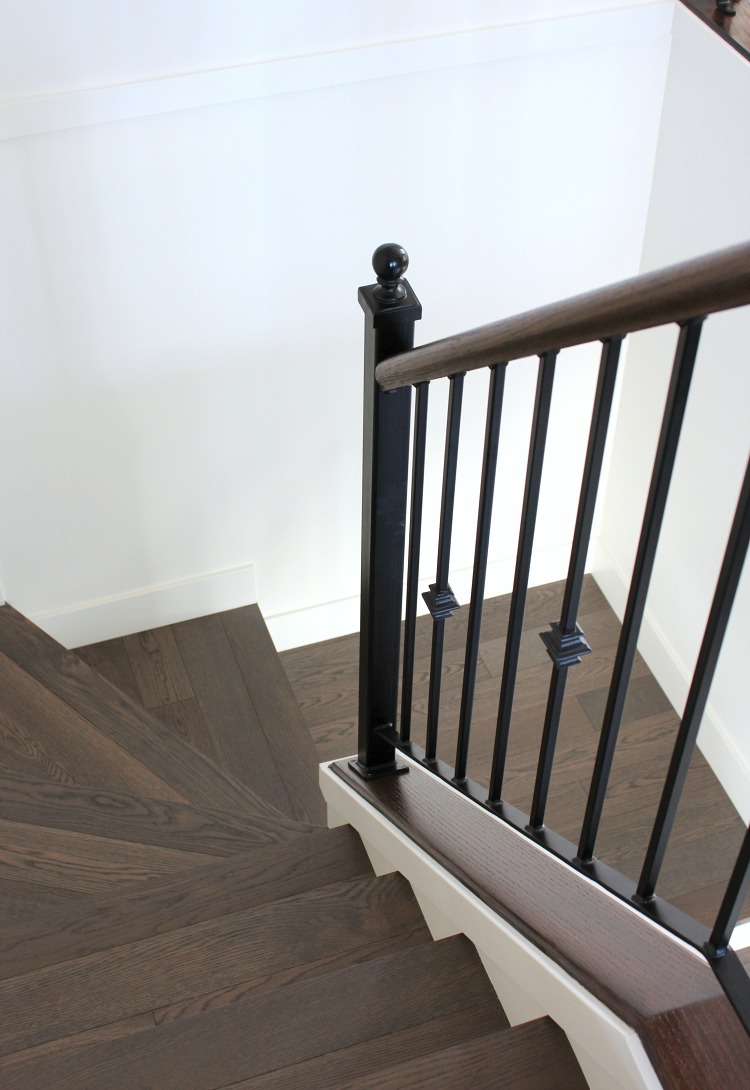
697,205
190,194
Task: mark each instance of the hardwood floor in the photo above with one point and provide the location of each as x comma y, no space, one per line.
707,832
734,28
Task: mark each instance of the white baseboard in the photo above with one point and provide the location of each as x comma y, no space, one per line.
526,980
330,619
314,624
714,739
149,607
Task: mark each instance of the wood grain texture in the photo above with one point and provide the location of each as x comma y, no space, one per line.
140,820
56,737
224,997
228,710
79,861
158,668
276,1029
715,282
284,728
649,980
217,953
27,904
534,1056
261,877
189,776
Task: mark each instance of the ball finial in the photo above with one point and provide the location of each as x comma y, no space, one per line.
390,261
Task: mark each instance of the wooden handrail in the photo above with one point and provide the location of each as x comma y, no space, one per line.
718,281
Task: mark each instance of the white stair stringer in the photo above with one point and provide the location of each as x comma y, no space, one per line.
527,982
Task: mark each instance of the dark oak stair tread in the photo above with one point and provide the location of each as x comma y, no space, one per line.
163,823
141,737
276,1029
41,734
28,905
321,1072
82,862
255,723
260,877
216,953
533,1056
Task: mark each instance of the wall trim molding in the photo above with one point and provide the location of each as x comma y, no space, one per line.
714,740
57,112
326,620
149,607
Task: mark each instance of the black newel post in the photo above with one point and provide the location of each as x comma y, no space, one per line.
391,309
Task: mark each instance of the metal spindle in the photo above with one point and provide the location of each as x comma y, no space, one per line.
415,537
523,565
484,523
674,413
718,619
440,598
566,642
731,906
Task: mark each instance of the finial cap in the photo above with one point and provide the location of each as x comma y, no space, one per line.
390,261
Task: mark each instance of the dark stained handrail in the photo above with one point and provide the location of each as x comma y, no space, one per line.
718,281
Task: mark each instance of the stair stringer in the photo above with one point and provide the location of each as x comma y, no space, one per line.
527,982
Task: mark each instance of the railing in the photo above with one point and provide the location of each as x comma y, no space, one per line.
685,295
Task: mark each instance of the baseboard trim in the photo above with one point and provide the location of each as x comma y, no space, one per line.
194,90
150,607
327,620
714,740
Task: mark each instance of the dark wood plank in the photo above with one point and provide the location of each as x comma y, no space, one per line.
158,668
81,862
285,730
228,709
110,659
26,904
56,736
224,997
227,950
649,980
190,776
422,1039
280,1028
267,874
140,820
185,718
534,1056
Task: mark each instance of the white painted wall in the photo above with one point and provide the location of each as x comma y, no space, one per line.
190,194
697,205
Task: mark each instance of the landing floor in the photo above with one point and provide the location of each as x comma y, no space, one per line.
708,831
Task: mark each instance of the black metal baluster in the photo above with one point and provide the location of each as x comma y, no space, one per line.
674,413
731,906
391,309
716,626
415,537
440,598
523,565
484,523
566,642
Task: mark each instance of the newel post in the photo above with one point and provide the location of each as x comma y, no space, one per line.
391,309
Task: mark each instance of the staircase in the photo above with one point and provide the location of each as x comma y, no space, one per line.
175,914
